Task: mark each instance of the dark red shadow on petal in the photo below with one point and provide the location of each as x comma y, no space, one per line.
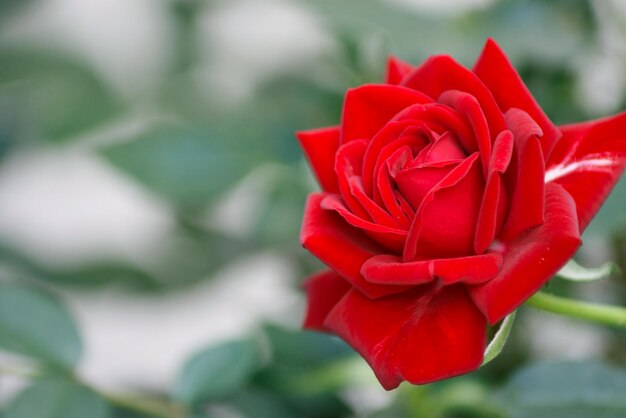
424,335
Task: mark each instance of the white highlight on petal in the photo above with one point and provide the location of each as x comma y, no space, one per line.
603,164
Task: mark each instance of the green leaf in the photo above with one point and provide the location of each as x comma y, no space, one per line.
56,398
301,349
218,371
188,167
565,390
576,273
36,324
551,34
58,97
499,339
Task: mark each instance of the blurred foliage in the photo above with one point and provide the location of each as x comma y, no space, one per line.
234,362
57,398
34,323
56,97
565,390
189,168
195,150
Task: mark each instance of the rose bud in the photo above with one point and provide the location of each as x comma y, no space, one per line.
448,199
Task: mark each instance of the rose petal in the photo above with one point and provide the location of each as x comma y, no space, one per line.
445,223
526,183
391,238
397,70
495,202
323,290
444,148
389,269
467,105
385,142
533,258
422,335
377,214
415,183
440,119
340,246
320,146
507,87
588,161
368,108
389,197
442,72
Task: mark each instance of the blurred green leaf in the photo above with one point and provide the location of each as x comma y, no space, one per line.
9,126
565,390
97,273
305,364
256,403
611,216
304,349
120,412
7,6
56,398
263,129
189,167
280,215
551,33
498,341
554,86
57,96
36,324
574,272
218,371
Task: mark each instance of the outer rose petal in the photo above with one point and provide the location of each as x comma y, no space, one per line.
533,258
588,161
320,146
340,246
397,70
499,75
323,290
442,72
368,108
422,335
389,269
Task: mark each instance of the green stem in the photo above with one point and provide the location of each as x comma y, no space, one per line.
595,312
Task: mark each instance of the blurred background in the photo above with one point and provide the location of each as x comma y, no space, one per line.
151,192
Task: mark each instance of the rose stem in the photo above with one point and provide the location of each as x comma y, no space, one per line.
605,314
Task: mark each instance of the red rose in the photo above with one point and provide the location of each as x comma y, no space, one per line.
448,199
